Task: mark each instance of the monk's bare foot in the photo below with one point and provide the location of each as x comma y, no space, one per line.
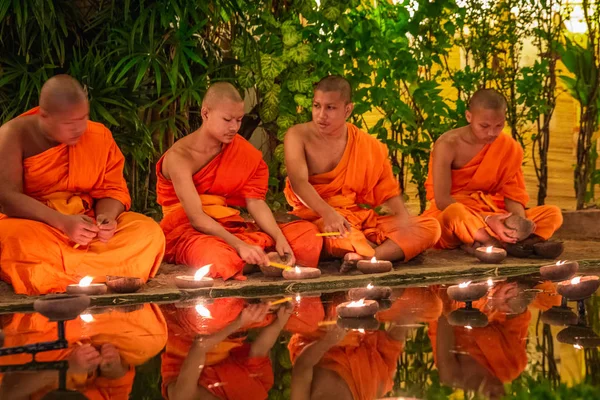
350,261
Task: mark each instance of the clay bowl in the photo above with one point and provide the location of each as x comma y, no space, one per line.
62,307
369,309
377,267
524,227
468,317
374,293
579,335
123,284
556,272
384,304
496,256
301,273
549,249
473,292
188,282
93,289
273,272
366,323
580,291
559,316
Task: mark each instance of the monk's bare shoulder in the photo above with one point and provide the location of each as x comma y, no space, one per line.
14,133
300,133
178,159
449,144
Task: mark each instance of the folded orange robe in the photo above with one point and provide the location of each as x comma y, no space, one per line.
364,177
137,335
500,347
480,188
228,373
235,174
37,259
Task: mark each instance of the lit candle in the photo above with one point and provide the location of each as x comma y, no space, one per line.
199,280
579,336
85,286
357,309
468,291
301,273
370,293
203,311
560,271
578,288
490,282
490,254
374,266
61,307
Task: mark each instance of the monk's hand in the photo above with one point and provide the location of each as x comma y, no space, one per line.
84,359
111,366
284,250
254,313
334,222
284,313
107,227
79,228
253,254
496,223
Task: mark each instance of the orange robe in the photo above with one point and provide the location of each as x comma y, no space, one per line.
137,335
500,347
235,174
480,188
228,373
37,258
364,177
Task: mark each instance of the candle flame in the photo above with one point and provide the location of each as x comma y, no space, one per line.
370,286
373,260
86,281
359,303
298,298
203,311
561,262
202,272
361,330
490,282
297,270
575,280
464,284
578,346
489,249
87,318
468,327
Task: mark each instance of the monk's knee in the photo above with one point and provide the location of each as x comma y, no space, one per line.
433,228
141,227
454,213
555,215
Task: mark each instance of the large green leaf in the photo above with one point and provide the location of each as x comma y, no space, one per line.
245,77
303,85
271,66
299,54
268,112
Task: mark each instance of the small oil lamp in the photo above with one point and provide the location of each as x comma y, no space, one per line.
370,293
85,286
198,280
490,254
578,288
357,309
560,271
374,266
301,273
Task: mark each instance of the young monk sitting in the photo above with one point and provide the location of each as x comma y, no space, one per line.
477,190
334,168
207,172
64,196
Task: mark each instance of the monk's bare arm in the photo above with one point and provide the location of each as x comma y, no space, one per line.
13,201
297,169
180,172
110,208
514,207
262,214
268,335
447,363
443,154
21,385
397,207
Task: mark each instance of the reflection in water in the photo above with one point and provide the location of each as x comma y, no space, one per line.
419,344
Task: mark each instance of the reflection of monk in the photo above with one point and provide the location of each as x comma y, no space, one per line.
339,175
102,353
62,187
332,363
209,358
476,182
483,359
207,173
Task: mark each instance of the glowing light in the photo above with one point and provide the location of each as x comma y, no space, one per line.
373,260
202,272
297,270
578,346
490,282
203,311
468,327
464,284
575,280
361,330
370,286
359,303
561,262
298,298
87,318
489,249
86,281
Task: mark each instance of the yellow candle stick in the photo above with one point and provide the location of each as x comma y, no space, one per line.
325,323
76,246
280,301
329,234
278,265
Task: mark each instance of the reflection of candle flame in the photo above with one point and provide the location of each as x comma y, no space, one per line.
203,311
489,249
359,303
578,346
202,272
87,318
373,260
561,262
297,270
370,286
298,298
464,284
490,282
361,330
86,281
575,280
468,327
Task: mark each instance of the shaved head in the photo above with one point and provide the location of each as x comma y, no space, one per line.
60,93
487,99
220,92
336,83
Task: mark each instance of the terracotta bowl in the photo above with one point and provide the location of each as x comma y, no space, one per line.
62,307
496,256
473,292
377,267
366,323
370,308
123,284
305,273
559,316
375,293
579,335
468,317
555,273
584,289
272,272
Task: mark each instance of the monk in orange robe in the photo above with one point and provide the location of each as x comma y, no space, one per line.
476,182
103,351
207,173
64,199
500,347
207,355
338,177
